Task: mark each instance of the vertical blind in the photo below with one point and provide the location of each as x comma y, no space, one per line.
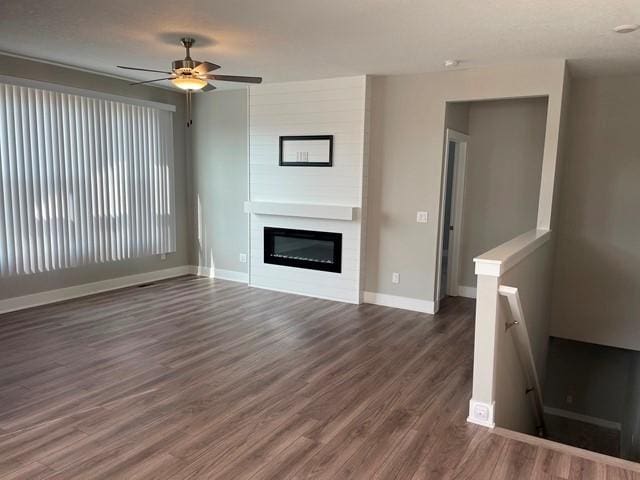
83,180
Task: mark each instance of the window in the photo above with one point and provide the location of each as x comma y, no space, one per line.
83,180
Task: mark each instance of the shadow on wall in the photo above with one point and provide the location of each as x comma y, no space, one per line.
219,180
595,275
596,280
376,169
203,247
173,39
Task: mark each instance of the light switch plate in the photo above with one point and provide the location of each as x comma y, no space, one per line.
422,217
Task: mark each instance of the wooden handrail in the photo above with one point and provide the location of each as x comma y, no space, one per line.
525,353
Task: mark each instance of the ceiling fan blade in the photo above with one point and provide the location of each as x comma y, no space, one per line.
208,88
143,69
206,67
235,78
150,81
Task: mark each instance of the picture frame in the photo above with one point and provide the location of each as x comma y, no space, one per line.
306,151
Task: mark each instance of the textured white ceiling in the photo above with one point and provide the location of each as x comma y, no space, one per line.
304,39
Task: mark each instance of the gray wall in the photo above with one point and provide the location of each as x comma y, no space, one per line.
597,273
502,183
456,116
405,163
220,179
27,284
596,378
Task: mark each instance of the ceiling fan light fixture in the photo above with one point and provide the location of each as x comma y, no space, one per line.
189,83
192,75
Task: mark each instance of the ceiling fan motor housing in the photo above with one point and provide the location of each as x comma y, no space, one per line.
184,67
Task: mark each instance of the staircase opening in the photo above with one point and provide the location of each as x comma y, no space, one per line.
592,397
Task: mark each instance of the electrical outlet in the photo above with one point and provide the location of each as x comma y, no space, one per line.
395,277
163,256
422,217
569,399
481,412
243,258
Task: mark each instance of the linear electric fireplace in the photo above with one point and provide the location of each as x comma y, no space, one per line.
303,249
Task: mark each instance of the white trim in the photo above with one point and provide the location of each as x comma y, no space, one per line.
520,335
467,292
230,275
68,293
306,210
248,180
488,267
56,87
498,260
600,422
321,297
202,271
406,303
460,172
473,417
457,136
461,141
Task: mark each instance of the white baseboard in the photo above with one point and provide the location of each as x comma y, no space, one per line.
600,422
231,275
468,292
68,293
406,303
482,413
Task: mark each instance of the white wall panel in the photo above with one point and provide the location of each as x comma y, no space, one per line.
335,107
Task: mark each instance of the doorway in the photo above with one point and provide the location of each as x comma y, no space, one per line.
454,168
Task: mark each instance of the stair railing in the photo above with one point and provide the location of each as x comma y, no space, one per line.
518,327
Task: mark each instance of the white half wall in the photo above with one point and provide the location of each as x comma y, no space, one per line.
498,376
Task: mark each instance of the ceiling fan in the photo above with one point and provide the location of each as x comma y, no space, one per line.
192,75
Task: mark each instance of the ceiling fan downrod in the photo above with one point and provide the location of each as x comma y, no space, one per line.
187,43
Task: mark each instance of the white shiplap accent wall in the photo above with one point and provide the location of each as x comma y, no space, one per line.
337,107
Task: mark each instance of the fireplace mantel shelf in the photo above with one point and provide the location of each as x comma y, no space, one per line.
307,210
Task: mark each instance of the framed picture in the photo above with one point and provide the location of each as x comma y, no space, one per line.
306,151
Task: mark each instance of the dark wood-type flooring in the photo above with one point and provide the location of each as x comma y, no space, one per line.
198,378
